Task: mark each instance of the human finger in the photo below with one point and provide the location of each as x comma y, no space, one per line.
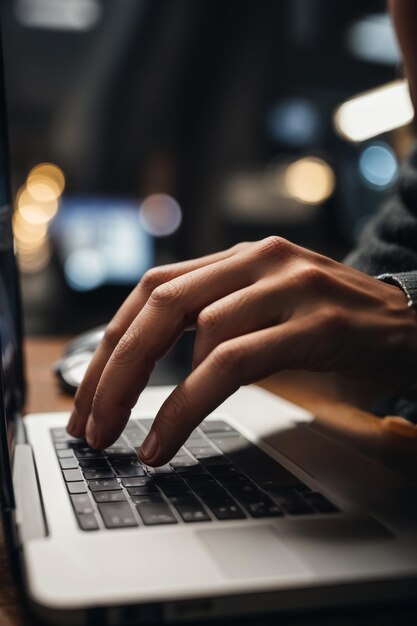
236,362
121,322
263,304
153,332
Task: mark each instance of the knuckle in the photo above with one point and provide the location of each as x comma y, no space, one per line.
126,348
230,356
153,278
241,246
334,320
274,246
314,277
207,319
167,294
112,334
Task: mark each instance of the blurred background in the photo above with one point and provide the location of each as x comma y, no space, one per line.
148,131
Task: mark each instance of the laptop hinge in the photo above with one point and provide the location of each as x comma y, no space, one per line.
30,519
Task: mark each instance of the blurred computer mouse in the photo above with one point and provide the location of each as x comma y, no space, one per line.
71,368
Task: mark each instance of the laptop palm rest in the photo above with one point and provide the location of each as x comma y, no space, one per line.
248,553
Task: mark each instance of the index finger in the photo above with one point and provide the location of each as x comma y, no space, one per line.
120,323
150,336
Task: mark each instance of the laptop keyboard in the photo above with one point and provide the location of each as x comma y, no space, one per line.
217,475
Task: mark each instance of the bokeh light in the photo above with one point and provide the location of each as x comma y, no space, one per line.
378,165
37,202
295,122
85,269
160,215
375,112
309,180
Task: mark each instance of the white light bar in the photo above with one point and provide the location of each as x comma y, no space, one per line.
375,112
75,15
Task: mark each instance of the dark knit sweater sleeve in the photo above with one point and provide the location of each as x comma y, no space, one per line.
388,245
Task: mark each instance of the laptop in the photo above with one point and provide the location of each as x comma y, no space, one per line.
258,512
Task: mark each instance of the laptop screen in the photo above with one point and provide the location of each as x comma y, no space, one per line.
11,361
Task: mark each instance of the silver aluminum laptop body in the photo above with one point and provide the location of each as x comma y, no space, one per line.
362,548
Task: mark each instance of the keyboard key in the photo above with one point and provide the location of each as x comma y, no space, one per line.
104,485
75,488
109,496
196,442
136,441
226,470
162,470
77,443
93,463
154,514
82,504
200,479
72,475
246,492
146,490
163,479
59,433
87,453
174,489
193,512
66,454
203,451
227,445
227,511
291,502
145,424
153,498
119,451
216,426
95,474
319,502
234,480
210,461
128,472
117,515
209,490
67,464
184,462
124,461
263,508
136,481
63,452
87,522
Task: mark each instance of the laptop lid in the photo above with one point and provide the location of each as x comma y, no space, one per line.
11,363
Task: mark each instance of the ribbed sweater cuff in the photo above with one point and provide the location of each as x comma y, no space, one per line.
407,281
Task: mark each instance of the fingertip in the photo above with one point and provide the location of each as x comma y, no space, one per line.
399,426
150,449
75,426
71,423
91,432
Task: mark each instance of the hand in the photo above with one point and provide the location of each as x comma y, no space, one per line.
258,308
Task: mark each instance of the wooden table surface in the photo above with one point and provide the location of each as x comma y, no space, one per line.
388,440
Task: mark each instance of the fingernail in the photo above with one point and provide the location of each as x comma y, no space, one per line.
71,423
149,446
91,432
